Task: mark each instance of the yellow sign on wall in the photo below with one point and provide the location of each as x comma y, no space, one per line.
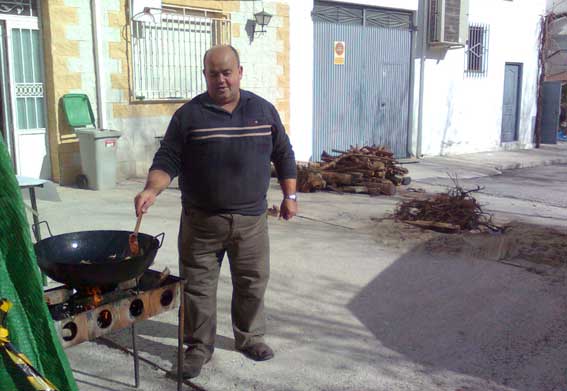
339,50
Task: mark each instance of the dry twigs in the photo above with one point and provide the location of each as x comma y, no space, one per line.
454,211
372,170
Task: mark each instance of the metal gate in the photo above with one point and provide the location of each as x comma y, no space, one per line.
511,102
365,98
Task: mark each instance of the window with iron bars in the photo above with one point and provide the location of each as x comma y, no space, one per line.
168,45
19,7
476,54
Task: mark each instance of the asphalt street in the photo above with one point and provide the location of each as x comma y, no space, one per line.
362,308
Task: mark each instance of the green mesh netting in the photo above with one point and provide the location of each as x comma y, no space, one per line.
30,325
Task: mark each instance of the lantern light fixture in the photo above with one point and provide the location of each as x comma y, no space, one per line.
262,19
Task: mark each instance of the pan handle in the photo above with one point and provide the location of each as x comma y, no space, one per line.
35,228
159,238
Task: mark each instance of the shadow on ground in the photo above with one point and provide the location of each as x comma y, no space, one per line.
478,318
420,321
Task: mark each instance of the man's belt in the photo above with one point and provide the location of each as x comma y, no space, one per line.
37,381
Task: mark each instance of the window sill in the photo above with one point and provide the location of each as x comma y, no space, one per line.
156,101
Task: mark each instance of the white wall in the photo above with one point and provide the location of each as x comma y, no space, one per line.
460,114
464,114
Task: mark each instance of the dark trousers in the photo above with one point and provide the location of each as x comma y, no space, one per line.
203,241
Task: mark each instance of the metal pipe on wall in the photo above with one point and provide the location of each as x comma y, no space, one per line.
424,14
411,105
96,17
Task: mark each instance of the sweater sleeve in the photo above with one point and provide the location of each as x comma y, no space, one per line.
283,156
168,156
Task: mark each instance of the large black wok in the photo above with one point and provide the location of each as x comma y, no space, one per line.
95,258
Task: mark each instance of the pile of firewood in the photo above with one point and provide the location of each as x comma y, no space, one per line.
372,170
454,211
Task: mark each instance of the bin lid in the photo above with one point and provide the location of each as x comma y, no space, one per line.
78,111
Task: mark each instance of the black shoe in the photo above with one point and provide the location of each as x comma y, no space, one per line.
258,352
193,362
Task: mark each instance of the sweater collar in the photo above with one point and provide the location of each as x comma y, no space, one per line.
207,101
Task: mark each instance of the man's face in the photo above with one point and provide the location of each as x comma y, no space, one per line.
223,75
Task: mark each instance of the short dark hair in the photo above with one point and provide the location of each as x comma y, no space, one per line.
220,46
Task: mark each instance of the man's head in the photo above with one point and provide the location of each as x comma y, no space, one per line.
223,73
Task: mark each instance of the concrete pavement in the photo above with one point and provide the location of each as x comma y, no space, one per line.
539,199
480,164
366,307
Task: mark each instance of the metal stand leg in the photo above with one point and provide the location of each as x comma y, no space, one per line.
37,231
180,355
136,359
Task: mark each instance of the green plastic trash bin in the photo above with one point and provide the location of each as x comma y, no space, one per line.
97,146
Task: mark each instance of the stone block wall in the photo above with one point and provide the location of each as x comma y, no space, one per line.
70,67
265,59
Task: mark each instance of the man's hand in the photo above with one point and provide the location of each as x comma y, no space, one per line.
158,181
144,200
288,209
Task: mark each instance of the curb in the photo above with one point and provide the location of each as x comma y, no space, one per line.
534,164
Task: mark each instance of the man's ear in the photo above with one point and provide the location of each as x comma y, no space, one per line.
240,70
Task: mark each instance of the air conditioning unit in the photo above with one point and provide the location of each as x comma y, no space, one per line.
448,23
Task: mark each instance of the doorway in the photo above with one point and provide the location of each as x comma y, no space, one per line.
362,92
511,102
22,90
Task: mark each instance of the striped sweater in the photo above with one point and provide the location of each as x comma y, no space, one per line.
223,159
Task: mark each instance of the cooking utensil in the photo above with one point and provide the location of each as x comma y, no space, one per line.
95,258
133,238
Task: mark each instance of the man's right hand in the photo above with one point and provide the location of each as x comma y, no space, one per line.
144,200
157,181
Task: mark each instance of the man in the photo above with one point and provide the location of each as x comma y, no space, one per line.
221,144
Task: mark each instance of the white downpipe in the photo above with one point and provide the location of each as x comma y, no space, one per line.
424,20
97,20
301,78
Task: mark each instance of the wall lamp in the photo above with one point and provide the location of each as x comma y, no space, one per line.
262,19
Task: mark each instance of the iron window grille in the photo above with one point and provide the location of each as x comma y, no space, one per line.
476,53
21,7
168,45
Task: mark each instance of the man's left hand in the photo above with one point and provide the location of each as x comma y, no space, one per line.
288,209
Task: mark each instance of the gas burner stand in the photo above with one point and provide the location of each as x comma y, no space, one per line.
79,318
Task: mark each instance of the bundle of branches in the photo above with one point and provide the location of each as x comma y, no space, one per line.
453,211
369,169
